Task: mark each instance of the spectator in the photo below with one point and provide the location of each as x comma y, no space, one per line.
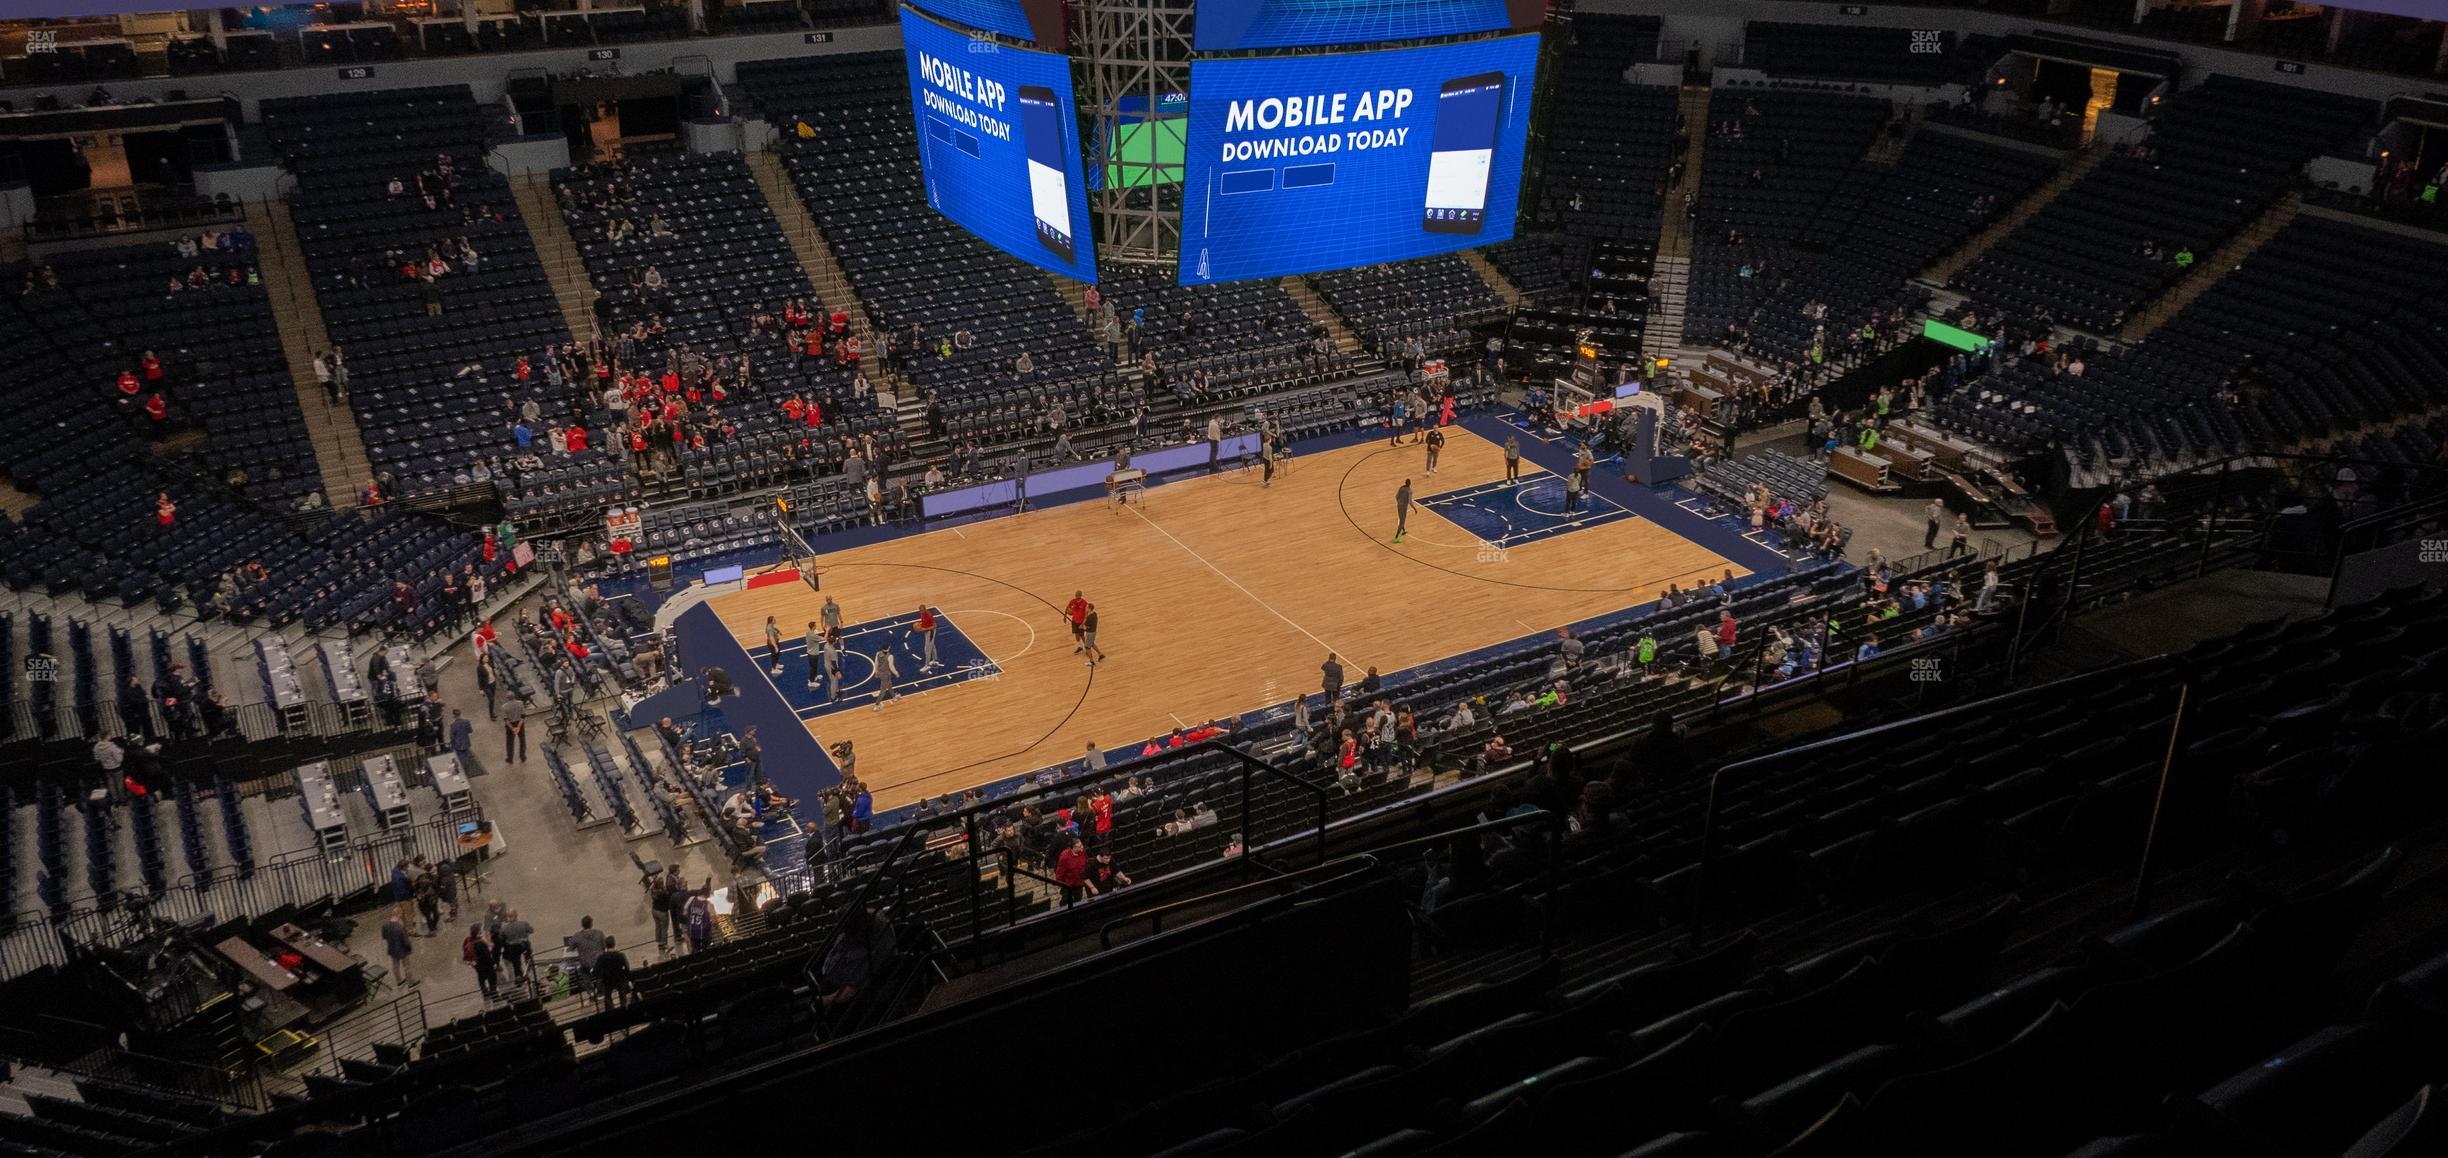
401,949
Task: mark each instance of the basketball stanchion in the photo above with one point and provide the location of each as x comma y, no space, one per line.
796,549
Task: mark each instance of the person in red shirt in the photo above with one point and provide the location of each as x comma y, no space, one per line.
165,512
152,367
793,408
561,620
815,344
671,381
577,437
848,352
840,320
522,372
157,406
1725,632
485,634
1071,872
815,414
926,636
1077,611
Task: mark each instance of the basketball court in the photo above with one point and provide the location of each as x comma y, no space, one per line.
1214,597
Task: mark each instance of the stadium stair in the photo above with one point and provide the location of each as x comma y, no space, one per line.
339,450
1311,304
1956,262
1073,292
816,257
1675,234
1889,148
1495,278
1669,292
557,249
2213,266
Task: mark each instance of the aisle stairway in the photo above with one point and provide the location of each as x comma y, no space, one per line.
1315,306
1073,292
823,270
1494,277
557,249
1674,233
1669,289
1950,265
2211,267
339,449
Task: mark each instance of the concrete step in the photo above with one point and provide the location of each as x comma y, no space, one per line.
1964,255
2208,269
823,269
339,447
1674,234
1494,277
572,288
1315,306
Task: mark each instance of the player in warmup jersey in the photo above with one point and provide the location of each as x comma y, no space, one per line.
926,636
1077,612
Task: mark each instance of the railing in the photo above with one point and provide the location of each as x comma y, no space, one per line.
130,213
302,878
1918,725
235,1089
64,720
1305,878
1261,843
396,1025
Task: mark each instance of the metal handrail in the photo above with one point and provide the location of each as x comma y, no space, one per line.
1297,878
1368,858
856,910
1917,723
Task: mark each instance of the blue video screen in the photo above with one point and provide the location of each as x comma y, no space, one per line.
1226,25
1300,164
1002,16
998,139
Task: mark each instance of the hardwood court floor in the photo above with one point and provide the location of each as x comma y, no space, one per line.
1217,597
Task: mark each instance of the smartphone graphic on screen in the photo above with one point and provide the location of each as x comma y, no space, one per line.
1049,195
1462,152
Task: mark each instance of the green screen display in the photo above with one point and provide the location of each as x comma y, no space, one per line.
1947,335
1146,153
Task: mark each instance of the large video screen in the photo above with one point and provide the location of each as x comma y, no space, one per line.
1299,164
1143,148
999,142
1225,25
1040,21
